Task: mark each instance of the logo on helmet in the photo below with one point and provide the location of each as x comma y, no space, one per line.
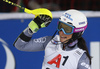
68,16
81,23
79,29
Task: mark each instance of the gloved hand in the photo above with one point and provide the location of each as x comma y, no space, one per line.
39,22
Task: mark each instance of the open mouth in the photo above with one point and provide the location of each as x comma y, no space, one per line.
63,37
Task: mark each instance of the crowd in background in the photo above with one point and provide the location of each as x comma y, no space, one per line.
53,5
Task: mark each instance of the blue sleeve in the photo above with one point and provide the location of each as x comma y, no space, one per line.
84,62
33,44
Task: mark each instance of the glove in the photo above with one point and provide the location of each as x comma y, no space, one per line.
39,22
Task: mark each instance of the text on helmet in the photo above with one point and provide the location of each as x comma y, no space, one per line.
68,16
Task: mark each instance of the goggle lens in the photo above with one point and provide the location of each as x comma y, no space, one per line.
64,27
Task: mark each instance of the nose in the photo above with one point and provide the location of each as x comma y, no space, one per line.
61,32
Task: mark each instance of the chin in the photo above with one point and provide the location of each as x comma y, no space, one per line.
64,41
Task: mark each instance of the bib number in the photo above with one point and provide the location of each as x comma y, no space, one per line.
56,60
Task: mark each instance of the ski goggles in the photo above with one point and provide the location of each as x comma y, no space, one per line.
69,29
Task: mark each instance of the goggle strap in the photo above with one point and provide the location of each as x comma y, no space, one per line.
79,29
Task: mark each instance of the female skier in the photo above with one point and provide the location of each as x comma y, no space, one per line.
67,50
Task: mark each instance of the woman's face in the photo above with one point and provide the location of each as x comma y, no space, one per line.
64,37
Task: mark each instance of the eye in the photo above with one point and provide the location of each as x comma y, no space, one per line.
60,25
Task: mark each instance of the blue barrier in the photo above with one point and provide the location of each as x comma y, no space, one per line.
10,29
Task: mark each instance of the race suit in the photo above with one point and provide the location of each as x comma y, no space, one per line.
55,57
